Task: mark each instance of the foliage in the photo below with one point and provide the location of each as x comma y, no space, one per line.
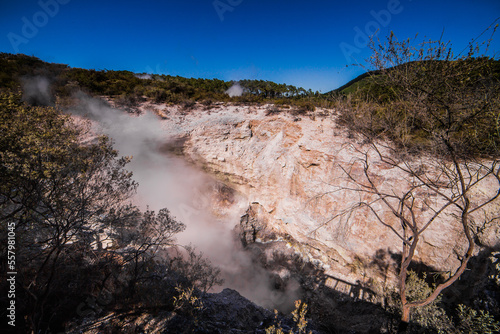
276,328
47,170
197,270
187,297
130,87
13,68
299,320
476,322
431,317
187,301
57,192
299,316
495,259
420,92
64,189
304,106
440,112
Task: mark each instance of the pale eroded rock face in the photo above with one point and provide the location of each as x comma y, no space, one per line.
291,170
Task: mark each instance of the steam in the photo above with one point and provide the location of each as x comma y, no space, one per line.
144,76
36,91
162,181
235,90
166,181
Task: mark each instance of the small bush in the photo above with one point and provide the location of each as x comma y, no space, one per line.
430,318
495,259
187,105
476,322
208,102
299,319
303,107
273,110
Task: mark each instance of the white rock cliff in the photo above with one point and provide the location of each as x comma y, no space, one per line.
288,168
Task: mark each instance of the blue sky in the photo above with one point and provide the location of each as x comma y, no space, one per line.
302,43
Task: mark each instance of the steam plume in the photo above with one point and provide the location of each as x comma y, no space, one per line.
166,181
36,91
144,76
235,90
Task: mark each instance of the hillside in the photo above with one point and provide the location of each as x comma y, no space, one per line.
134,87
281,195
362,84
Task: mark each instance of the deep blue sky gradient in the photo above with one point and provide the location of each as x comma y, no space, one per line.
293,42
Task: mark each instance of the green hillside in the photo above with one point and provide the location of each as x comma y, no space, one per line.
64,80
367,83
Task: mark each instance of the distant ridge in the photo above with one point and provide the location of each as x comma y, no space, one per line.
353,81
347,88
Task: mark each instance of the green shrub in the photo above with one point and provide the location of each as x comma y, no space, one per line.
495,259
430,318
300,322
476,322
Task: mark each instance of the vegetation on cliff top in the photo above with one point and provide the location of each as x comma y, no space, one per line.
161,88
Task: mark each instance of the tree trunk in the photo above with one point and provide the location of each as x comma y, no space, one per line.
405,317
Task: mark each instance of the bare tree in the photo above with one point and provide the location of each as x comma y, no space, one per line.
434,191
433,121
